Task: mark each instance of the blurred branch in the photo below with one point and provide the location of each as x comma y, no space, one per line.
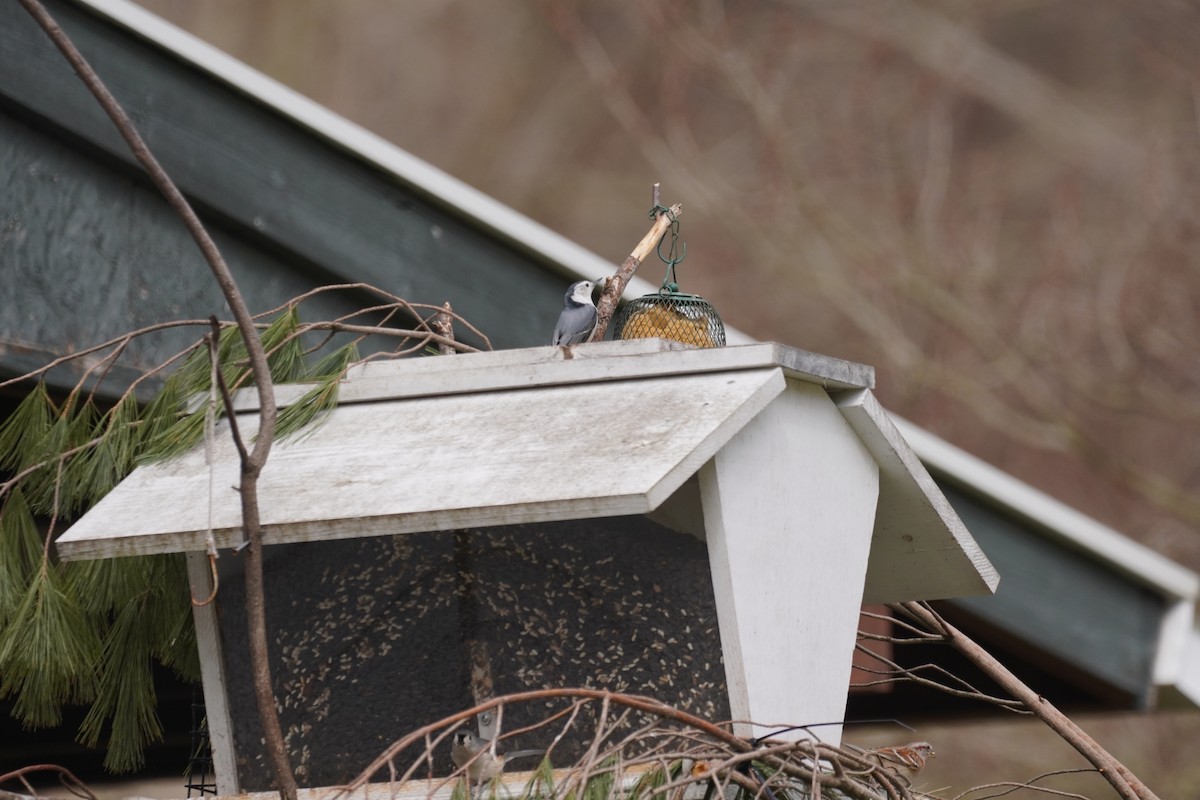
71,783
968,271
1127,785
961,57
1008,787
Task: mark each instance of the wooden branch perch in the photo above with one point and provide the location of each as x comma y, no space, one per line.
617,283
443,323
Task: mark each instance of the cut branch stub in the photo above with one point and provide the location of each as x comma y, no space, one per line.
443,325
617,283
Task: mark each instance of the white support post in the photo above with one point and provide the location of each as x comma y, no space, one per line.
789,508
212,675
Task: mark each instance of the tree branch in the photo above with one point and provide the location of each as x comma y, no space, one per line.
1117,774
253,464
617,283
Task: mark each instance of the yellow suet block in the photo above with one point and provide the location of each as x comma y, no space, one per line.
664,321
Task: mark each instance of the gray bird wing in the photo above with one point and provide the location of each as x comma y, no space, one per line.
523,754
574,324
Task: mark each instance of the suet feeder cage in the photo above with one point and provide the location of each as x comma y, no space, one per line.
669,313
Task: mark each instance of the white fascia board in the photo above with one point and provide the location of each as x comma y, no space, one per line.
555,249
1173,664
1060,520
1187,680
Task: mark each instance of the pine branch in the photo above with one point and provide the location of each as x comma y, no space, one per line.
47,650
126,691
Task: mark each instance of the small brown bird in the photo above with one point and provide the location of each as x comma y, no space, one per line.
482,761
905,761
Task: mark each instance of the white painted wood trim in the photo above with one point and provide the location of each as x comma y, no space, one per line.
1176,673
921,549
212,675
789,505
1175,629
1187,683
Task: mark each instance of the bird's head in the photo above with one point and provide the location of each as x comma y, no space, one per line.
463,738
581,292
925,749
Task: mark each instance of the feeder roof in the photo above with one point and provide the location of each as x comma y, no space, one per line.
530,435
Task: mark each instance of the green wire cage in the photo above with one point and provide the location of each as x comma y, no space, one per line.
670,313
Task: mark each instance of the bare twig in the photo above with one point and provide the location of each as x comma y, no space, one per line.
253,464
444,325
68,779
897,673
1008,787
114,342
1117,774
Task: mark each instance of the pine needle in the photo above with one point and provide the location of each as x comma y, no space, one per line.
600,785
107,463
177,649
174,439
126,691
47,652
54,618
80,426
68,428
285,350
542,783
20,552
105,585
165,430
654,779
334,363
323,397
169,620
24,430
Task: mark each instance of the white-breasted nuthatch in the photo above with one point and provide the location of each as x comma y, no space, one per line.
482,761
578,316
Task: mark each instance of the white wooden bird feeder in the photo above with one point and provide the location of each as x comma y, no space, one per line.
783,462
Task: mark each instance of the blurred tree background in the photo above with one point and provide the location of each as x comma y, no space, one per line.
992,202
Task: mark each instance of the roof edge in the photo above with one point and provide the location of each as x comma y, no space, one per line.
463,199
1065,523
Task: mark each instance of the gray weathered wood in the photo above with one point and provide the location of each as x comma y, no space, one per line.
919,539
442,463
556,366
528,435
